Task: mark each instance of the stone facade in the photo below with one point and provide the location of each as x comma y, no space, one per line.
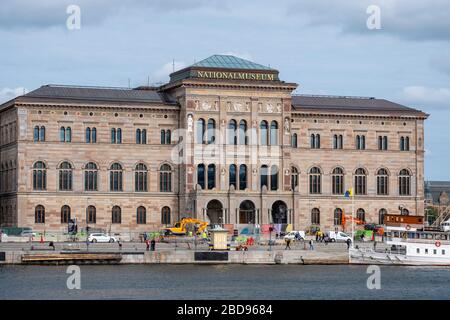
181,106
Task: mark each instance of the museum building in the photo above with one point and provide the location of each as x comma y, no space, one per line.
225,140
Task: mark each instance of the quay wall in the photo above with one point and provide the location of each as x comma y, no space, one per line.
228,257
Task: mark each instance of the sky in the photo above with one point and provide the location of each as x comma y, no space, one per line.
323,45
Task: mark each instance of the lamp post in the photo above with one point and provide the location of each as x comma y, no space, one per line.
87,224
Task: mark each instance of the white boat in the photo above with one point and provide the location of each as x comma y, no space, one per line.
407,247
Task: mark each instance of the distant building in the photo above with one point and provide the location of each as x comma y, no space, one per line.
434,189
224,140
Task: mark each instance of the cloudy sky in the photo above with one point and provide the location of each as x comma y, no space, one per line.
324,45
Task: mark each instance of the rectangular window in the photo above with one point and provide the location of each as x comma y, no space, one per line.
418,250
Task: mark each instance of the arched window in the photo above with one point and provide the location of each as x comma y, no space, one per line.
361,214
337,181
404,183
138,136
116,215
201,175
338,141
113,135
168,137
211,176
140,177
39,176
243,140
232,132
315,216
165,178
337,217
315,181
382,143
141,215
65,176
360,142
36,134
62,134
404,143
294,142
211,131
201,131
91,214
232,175
294,178
65,214
242,177
94,135
39,214
115,177
165,216
119,135
274,178
360,181
274,133
88,135
68,134
144,136
163,136
381,214
90,177
264,176
382,182
264,132
315,141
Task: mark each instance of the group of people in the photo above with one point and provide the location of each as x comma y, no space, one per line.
322,237
150,244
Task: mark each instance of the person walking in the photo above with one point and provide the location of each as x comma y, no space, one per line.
374,245
147,243
311,244
348,243
153,244
288,244
120,245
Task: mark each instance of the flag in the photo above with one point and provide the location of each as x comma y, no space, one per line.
349,193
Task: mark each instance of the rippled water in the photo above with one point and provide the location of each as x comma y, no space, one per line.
223,282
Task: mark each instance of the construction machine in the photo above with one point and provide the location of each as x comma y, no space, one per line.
180,228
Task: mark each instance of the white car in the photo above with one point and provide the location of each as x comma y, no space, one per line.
28,233
338,236
293,235
101,237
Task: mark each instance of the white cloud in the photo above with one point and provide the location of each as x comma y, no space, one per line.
10,93
427,95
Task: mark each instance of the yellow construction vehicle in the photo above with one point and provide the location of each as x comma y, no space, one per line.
180,227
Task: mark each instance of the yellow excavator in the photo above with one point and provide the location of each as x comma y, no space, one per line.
180,227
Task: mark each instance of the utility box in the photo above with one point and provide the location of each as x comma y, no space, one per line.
219,239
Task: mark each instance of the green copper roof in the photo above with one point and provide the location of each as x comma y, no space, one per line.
229,62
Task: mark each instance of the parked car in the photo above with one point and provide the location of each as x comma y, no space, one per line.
28,233
338,236
295,235
101,237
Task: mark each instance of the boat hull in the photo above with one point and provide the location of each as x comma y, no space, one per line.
383,258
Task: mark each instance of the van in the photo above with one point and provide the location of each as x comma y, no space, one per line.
445,226
338,236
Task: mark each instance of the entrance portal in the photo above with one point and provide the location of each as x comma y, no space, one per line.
214,211
279,212
247,212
